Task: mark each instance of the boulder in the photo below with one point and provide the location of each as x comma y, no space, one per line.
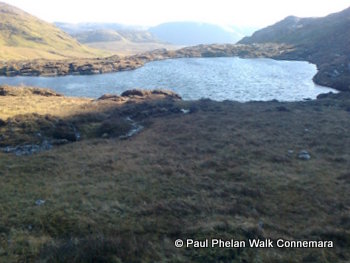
150,93
135,92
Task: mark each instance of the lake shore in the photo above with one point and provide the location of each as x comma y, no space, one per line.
331,71
197,169
216,78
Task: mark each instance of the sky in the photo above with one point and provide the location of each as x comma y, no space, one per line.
255,13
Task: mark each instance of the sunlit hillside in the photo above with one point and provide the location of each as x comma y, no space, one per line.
23,36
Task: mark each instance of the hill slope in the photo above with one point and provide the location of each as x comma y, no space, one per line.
105,35
193,33
23,36
324,41
331,33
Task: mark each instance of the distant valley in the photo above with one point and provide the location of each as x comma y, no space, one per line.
25,37
193,33
129,40
120,39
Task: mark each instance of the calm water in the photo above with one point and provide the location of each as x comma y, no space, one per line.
195,78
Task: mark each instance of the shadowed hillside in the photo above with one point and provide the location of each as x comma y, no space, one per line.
324,41
23,36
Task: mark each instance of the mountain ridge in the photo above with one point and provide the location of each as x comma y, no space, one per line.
23,36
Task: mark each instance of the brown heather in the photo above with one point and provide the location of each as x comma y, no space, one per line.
222,171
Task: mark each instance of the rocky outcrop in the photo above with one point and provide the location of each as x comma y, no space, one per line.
139,94
151,93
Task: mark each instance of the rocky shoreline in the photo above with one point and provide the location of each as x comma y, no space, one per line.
38,127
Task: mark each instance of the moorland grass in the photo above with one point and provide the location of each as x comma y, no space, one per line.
225,170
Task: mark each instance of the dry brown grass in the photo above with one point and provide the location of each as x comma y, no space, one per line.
63,107
216,172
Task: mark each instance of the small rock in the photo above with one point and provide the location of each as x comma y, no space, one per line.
40,202
282,109
110,97
185,111
325,95
304,155
105,135
290,152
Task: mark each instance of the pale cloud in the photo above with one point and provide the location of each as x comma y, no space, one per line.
152,12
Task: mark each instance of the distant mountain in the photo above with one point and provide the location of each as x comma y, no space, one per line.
324,41
97,36
72,29
116,38
104,35
23,36
193,33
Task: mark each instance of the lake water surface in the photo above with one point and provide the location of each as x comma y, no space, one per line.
195,78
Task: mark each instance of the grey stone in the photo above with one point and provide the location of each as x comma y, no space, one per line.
40,202
304,155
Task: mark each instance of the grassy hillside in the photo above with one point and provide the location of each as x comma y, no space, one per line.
23,36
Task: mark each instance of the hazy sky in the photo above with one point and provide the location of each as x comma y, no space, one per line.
151,12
